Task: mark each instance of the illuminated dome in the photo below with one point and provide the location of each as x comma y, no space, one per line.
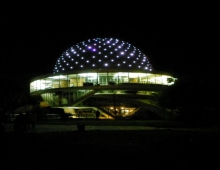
99,53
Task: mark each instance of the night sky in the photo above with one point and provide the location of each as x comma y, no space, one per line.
180,39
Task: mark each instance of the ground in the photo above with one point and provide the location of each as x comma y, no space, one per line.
153,148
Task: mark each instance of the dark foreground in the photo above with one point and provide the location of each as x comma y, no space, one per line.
140,149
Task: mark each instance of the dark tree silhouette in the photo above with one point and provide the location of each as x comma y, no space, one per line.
194,96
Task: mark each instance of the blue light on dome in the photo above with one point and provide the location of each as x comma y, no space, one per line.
98,52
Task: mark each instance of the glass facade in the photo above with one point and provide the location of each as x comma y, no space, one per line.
98,79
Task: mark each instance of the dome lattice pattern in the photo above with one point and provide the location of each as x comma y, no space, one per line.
100,53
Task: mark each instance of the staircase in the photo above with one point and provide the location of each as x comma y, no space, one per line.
81,99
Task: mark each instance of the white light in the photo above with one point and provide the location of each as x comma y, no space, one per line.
58,77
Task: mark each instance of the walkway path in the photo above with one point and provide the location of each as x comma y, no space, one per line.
102,125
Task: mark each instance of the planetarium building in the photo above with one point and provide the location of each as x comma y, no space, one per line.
107,74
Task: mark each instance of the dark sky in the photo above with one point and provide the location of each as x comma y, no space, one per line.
177,38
